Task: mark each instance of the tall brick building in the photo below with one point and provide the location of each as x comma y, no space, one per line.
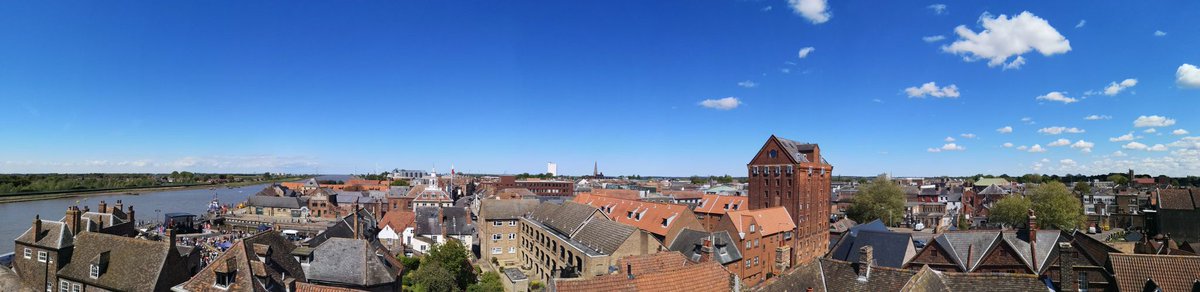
794,175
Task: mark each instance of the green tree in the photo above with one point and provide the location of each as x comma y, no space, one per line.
1011,211
488,282
879,199
1056,207
1082,188
1118,179
963,223
399,183
432,277
452,256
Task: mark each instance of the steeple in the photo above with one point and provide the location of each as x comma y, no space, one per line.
595,169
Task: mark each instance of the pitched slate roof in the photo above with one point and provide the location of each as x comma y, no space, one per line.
277,202
133,264
1047,242
993,190
604,236
457,221
428,221
834,275
716,204
1170,272
55,234
769,221
644,215
566,218
281,267
352,261
665,271
684,195
690,244
494,209
975,243
890,248
842,225
992,181
797,149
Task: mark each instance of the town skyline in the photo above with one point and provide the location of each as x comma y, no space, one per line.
663,88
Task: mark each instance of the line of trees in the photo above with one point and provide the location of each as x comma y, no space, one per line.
28,183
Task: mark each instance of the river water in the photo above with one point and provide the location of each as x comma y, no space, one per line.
17,217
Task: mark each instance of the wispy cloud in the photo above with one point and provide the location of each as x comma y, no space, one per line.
1097,117
727,103
803,53
747,84
931,89
1060,130
1082,22
1057,97
933,38
937,8
1005,130
1153,121
1159,33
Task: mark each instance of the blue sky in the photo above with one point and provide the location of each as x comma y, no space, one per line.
338,87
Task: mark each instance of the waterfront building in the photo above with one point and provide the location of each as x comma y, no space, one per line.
46,246
498,229
105,262
794,175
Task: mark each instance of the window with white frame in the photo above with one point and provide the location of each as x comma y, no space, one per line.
495,250
512,223
42,256
512,236
75,287
63,286
94,271
497,223
28,253
512,249
496,236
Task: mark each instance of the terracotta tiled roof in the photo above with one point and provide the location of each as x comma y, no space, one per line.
623,194
684,195
768,221
666,271
307,287
398,220
1176,199
715,204
646,216
1171,273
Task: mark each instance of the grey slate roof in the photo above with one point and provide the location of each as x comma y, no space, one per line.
133,264
993,190
457,221
54,235
565,218
1047,243
975,243
277,191
890,247
427,222
492,209
603,235
351,261
690,243
277,202
796,149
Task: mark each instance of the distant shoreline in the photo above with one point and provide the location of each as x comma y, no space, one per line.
89,193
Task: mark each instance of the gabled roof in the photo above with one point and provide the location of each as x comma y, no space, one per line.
648,216
1047,242
133,264
716,204
796,149
691,244
1176,199
602,235
398,220
992,181
509,209
55,234
1169,272
834,275
276,202
890,248
244,255
975,243
353,262
683,195
993,190
769,221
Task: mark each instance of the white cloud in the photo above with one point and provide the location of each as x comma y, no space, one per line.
1060,130
1179,132
1005,130
747,84
767,8
1036,149
1186,143
1022,147
1028,121
1059,142
803,53
816,11
1057,96
1114,88
1118,153
931,89
933,38
1067,162
1015,64
1122,138
1003,37
933,150
1159,33
953,147
1084,146
967,135
949,139
727,103
785,70
938,8
1097,117
1157,147
1082,22
1134,146
1188,76
1007,145
1153,121
1150,131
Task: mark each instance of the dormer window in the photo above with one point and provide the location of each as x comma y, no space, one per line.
664,222
752,227
224,279
94,271
726,206
629,214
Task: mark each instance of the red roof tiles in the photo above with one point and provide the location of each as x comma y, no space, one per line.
648,216
718,204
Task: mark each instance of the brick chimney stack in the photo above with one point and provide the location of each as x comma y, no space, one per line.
130,215
37,228
103,207
1033,239
1066,258
72,219
866,259
171,237
119,205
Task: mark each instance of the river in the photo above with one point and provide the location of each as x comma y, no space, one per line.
18,216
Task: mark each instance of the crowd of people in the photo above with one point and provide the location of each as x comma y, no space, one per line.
212,246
